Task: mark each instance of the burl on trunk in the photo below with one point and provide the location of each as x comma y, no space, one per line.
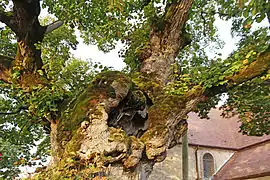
116,130
120,126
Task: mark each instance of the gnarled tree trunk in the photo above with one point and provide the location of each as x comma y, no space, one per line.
120,127
115,130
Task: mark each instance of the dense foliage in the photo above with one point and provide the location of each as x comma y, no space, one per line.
23,112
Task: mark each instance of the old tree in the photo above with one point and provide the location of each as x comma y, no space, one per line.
119,124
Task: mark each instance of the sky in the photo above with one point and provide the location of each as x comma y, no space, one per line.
111,58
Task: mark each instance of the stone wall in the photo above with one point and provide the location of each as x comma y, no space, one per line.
171,167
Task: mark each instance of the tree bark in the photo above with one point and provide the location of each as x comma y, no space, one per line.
166,43
102,134
118,129
23,21
115,130
29,33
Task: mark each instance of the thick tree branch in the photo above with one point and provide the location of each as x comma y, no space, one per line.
256,68
53,26
15,112
166,43
29,33
5,61
4,18
253,70
175,19
8,19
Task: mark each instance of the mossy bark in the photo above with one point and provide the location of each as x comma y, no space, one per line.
166,43
120,127
115,131
256,68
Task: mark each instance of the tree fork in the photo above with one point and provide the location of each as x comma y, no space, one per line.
23,21
166,45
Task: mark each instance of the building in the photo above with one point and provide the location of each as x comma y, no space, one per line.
217,151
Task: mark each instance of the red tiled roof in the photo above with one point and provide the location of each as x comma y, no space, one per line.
219,132
250,162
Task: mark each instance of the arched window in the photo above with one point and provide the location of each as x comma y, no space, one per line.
208,165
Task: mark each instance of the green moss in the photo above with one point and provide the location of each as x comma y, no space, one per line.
148,84
74,144
160,130
106,78
95,93
145,81
194,92
117,134
166,105
86,105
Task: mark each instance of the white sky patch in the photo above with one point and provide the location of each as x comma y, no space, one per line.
86,52
224,32
110,59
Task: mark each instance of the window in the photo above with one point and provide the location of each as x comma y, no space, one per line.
208,165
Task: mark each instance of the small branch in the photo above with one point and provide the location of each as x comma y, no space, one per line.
7,18
145,3
53,26
4,18
253,70
204,24
15,112
5,61
212,13
5,66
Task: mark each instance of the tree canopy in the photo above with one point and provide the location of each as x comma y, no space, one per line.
182,30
